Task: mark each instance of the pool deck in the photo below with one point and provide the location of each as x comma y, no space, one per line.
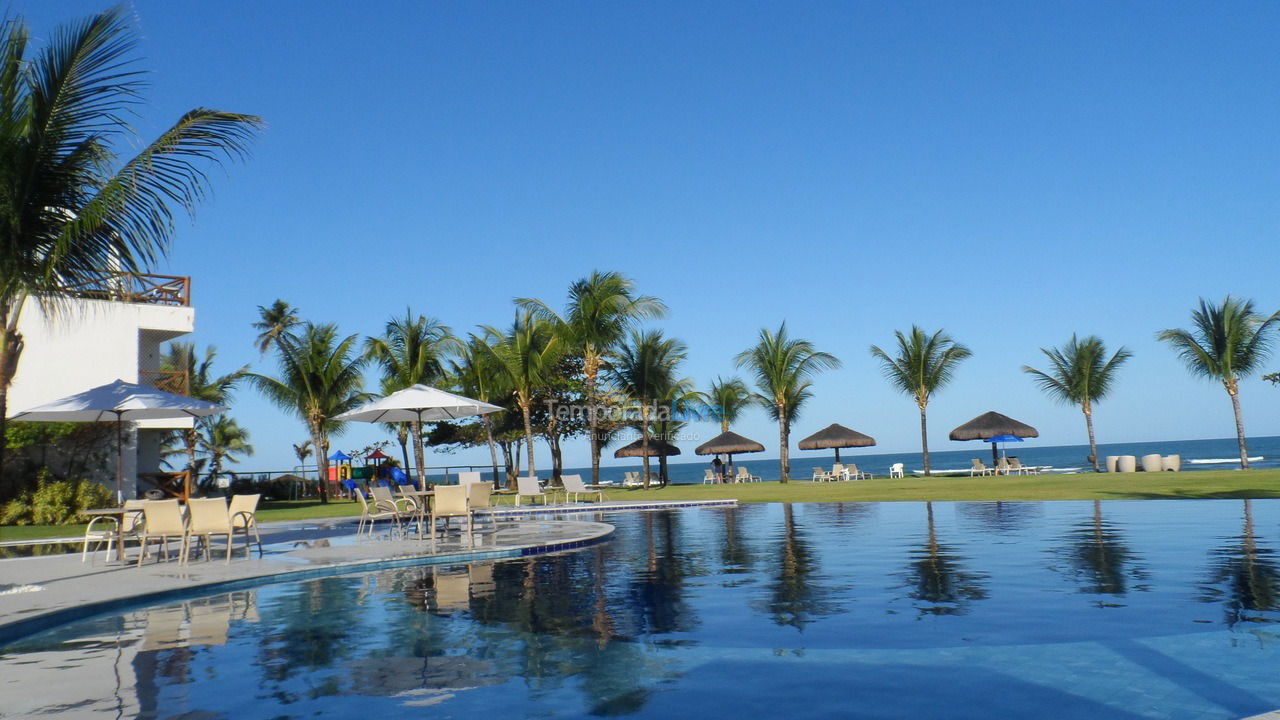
44,591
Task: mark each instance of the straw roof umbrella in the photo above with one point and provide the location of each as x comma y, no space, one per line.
657,448
834,437
728,443
991,424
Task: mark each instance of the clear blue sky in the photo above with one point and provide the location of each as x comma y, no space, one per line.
1012,172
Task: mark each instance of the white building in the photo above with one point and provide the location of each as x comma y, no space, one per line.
113,331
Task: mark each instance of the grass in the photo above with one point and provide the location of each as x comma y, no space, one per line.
1219,484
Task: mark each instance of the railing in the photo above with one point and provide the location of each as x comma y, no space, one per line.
171,290
169,381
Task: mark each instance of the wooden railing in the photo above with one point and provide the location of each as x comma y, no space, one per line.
172,290
169,381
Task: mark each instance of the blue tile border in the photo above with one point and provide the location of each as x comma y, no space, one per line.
17,630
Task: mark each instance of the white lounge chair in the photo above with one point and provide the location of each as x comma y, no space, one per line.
528,487
745,475
574,488
821,475
979,468
853,473
709,477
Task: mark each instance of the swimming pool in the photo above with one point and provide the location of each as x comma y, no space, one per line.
1147,609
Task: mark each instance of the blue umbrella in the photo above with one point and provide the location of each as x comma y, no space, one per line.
1001,439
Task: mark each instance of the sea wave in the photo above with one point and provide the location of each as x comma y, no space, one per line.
1222,461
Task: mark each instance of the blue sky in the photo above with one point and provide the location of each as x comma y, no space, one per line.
1013,172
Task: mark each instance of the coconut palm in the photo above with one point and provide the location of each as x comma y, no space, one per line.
1227,342
70,210
199,382
302,451
412,351
223,439
274,320
319,379
525,356
727,399
923,366
783,368
602,307
476,375
644,367
1080,374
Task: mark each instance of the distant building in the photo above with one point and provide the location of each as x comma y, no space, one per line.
110,330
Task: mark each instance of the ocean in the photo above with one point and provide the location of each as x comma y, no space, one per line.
1216,454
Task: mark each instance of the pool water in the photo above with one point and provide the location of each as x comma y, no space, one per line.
1148,609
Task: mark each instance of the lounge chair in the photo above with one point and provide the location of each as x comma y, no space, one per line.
745,475
244,509
163,520
1002,466
575,488
853,473
709,477
370,510
632,480
838,472
110,528
451,501
528,487
1016,466
979,468
821,475
896,470
209,517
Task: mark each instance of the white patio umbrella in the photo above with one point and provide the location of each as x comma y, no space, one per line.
119,401
421,403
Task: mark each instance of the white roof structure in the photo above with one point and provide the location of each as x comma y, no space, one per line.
419,403
118,401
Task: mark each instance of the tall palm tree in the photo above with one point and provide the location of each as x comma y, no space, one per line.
302,451
412,351
923,366
1226,342
223,440
783,368
727,398
274,320
644,367
1080,374
476,375
602,307
70,210
200,383
319,379
526,356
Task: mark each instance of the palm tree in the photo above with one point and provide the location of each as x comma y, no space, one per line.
602,307
727,399
526,357
223,440
476,375
302,451
319,379
923,366
1080,375
783,368
275,320
200,383
644,368
411,352
677,399
70,210
1227,342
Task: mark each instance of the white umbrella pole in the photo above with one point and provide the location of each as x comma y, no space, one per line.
120,458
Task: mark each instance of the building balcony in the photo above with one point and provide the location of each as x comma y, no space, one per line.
168,290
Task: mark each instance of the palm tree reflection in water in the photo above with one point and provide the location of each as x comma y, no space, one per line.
938,580
1101,559
1250,575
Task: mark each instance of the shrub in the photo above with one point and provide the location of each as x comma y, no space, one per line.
55,502
16,511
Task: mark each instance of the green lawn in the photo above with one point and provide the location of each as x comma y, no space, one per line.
1086,486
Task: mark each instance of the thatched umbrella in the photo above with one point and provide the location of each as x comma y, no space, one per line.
728,443
834,437
657,448
990,424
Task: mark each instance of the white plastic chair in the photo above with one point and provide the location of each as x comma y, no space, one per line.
896,470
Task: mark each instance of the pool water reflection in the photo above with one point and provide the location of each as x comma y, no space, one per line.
1159,609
